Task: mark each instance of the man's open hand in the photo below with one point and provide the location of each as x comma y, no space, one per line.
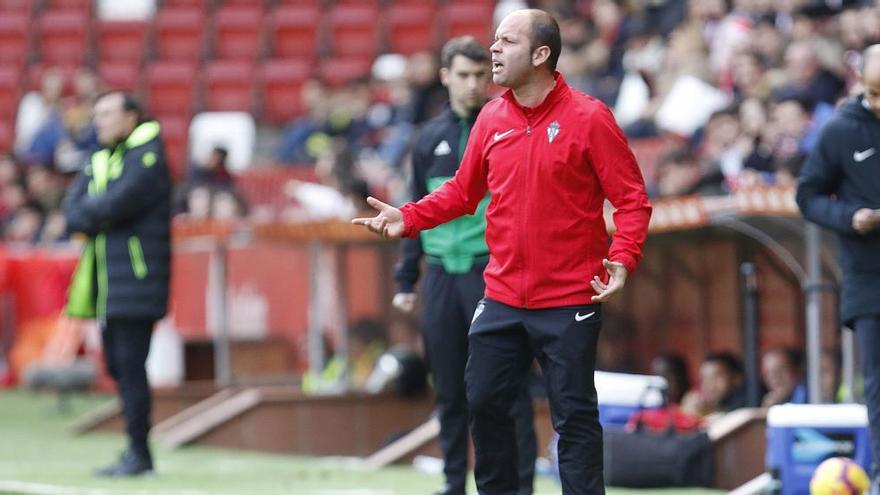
388,223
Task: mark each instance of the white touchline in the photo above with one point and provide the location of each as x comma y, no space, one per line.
46,489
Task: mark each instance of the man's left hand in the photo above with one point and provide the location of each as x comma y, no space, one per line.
616,280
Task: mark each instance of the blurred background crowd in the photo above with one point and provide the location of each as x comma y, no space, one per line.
728,93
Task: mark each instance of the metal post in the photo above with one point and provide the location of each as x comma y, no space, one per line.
750,333
222,365
813,298
344,347
848,364
316,320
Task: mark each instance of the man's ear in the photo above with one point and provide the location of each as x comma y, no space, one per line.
444,76
540,55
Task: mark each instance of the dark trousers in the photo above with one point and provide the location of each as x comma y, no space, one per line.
126,344
448,304
868,333
503,342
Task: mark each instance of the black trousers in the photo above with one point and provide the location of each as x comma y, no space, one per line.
867,330
126,345
503,342
448,304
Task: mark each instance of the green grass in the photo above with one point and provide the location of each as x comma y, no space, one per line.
36,449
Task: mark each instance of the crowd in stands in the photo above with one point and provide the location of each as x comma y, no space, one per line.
721,386
735,92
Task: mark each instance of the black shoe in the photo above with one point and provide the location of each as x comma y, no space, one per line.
448,490
129,464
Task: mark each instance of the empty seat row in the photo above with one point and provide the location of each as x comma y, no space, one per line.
63,37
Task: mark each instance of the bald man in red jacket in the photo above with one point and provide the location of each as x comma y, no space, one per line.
549,156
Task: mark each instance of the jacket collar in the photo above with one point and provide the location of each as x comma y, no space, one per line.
559,91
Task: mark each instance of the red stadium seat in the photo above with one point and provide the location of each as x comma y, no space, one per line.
7,136
174,130
411,28
171,88
229,86
179,33
16,6
281,81
79,5
353,30
199,4
238,32
308,3
339,71
121,75
473,19
294,31
10,90
14,38
122,41
63,37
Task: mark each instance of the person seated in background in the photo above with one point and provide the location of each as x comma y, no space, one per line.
673,368
721,386
782,373
213,171
306,138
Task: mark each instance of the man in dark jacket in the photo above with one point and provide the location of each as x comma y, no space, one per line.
839,188
121,203
457,255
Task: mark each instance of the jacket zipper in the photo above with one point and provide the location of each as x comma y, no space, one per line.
522,227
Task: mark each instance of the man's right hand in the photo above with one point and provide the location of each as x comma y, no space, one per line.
388,223
405,302
865,220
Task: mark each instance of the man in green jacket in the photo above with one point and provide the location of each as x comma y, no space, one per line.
120,202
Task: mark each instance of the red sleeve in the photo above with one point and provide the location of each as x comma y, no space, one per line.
622,182
458,196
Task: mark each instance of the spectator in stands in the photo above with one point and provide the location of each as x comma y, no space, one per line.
674,369
749,76
782,372
721,386
121,202
428,94
678,174
80,139
23,225
807,76
305,139
36,109
44,187
212,171
721,150
782,147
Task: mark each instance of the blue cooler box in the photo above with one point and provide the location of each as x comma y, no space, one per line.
801,436
622,394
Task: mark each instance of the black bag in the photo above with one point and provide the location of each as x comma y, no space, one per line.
642,459
650,460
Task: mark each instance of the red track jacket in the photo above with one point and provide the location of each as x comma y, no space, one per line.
549,170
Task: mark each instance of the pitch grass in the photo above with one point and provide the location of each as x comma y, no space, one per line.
39,455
